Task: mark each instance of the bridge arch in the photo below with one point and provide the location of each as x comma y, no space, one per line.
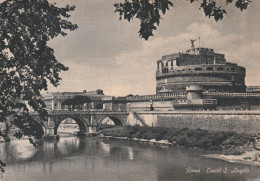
81,123
117,120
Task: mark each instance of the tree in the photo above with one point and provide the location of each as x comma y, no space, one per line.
27,63
67,102
78,100
149,11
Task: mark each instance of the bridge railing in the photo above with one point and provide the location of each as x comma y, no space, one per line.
232,94
84,112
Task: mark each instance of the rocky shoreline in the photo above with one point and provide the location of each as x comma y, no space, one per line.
249,157
161,142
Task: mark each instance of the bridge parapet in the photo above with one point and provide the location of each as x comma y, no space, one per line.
66,112
156,96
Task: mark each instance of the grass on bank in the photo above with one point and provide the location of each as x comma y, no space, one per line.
183,137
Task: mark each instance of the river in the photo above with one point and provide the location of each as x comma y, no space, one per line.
102,159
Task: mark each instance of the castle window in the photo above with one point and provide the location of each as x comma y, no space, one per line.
166,64
209,68
164,70
220,68
197,69
233,68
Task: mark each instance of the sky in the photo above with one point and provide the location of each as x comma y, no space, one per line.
106,53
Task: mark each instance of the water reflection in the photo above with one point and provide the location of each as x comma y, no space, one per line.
17,151
72,158
62,148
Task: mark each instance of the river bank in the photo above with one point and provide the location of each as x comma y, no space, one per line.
232,147
248,157
204,139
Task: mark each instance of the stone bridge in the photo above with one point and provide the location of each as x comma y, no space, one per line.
88,121
243,121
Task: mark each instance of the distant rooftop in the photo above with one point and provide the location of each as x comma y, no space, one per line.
96,93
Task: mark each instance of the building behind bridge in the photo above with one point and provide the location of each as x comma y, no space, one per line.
55,100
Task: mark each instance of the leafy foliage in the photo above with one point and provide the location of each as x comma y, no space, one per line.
26,62
77,100
2,166
149,11
208,140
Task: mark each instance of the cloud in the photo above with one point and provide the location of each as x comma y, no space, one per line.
248,55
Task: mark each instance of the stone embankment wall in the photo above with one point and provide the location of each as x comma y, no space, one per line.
238,121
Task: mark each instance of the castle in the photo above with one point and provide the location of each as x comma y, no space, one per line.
199,66
198,79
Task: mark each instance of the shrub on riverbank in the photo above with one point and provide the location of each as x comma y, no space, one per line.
183,137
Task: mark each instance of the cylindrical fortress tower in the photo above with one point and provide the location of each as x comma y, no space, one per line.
202,67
